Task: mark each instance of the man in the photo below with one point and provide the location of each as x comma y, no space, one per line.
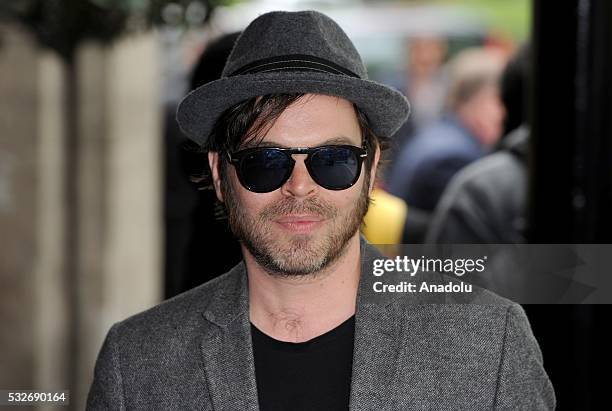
485,203
293,131
199,245
472,125
424,81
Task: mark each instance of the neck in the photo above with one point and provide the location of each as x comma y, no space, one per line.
297,309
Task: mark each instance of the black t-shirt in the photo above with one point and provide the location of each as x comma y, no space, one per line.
312,375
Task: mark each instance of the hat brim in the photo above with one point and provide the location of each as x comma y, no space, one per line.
386,108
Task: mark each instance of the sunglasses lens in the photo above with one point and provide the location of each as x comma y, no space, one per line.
263,171
335,168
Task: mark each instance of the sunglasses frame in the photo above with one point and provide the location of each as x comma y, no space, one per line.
237,157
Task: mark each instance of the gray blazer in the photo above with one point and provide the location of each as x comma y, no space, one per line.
193,352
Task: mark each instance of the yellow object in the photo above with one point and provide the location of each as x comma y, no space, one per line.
384,222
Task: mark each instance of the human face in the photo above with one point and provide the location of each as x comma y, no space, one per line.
484,114
300,228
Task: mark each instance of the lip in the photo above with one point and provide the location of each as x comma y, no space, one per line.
300,223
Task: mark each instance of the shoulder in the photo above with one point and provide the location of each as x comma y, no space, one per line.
480,322
443,143
492,187
450,296
504,166
374,269
495,169
180,314
479,350
144,354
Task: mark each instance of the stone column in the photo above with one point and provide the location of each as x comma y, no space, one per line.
19,200
117,217
119,189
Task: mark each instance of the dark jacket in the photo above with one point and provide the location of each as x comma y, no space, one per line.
486,202
429,160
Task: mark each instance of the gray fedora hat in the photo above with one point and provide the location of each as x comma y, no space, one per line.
292,52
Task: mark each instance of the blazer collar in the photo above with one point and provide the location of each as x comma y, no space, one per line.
231,298
386,326
226,345
376,344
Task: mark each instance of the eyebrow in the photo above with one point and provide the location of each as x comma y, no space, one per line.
339,140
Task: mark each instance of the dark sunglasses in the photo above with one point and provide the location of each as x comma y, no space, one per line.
264,169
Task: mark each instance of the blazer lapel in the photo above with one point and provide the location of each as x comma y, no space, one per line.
227,347
375,359
376,344
381,341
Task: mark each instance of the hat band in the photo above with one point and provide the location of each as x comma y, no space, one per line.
293,62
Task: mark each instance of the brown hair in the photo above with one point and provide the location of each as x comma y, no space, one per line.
470,71
247,122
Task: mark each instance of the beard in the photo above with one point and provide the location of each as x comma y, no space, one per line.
299,254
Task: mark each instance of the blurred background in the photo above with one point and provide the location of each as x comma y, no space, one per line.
102,214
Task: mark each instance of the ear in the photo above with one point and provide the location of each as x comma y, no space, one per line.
213,161
374,168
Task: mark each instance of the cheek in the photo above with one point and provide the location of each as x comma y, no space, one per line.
253,204
496,109
346,200
496,116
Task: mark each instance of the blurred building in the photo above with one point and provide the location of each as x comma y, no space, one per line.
68,276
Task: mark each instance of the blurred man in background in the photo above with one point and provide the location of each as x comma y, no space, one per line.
424,82
425,79
472,125
486,202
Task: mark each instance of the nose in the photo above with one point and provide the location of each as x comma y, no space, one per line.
300,184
